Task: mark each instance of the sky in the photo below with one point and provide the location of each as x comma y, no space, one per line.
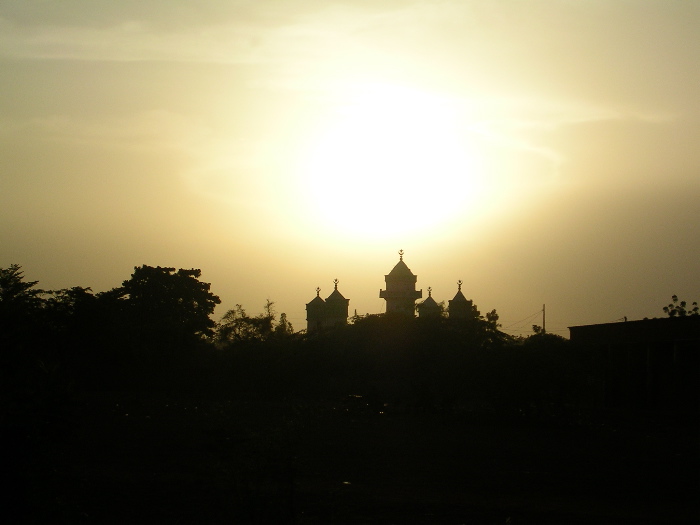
543,152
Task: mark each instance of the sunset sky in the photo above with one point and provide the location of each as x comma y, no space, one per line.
543,152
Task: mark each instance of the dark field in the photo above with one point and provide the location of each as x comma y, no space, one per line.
112,458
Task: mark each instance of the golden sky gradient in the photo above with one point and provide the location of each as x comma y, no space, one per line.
540,151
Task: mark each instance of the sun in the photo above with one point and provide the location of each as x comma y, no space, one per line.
392,160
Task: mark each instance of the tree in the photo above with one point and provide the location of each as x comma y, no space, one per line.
236,326
284,328
16,294
20,305
492,320
70,306
679,309
70,316
168,306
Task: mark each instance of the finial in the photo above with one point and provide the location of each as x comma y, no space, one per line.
318,291
430,291
400,255
459,285
335,282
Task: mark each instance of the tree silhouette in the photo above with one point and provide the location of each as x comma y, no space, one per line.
168,306
236,326
19,300
284,328
20,308
679,309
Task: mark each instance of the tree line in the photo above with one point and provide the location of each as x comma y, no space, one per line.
155,333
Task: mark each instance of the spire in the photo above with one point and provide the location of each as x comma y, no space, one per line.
429,308
336,307
315,313
460,307
459,296
400,293
336,295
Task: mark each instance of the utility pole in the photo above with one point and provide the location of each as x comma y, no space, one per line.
544,326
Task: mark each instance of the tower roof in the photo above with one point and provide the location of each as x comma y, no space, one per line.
336,296
459,296
429,303
316,301
401,270
429,308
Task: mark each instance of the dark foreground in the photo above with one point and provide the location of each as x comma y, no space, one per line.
128,459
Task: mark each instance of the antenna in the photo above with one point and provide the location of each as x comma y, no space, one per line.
544,326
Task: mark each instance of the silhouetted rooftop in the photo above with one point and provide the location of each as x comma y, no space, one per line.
336,296
316,301
459,297
429,302
400,270
643,331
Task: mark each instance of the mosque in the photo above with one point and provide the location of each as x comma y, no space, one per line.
400,296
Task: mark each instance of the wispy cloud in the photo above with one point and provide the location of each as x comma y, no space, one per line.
270,33
133,40
155,129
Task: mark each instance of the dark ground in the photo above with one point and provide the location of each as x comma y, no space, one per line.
113,458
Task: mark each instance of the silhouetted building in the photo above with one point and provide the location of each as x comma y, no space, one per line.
400,296
429,309
315,313
652,363
336,308
460,307
332,312
400,293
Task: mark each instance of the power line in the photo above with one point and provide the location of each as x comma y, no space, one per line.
523,320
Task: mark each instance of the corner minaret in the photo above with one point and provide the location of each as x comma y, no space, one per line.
460,307
429,309
321,315
315,313
400,293
336,308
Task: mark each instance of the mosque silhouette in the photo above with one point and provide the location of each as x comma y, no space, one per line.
400,296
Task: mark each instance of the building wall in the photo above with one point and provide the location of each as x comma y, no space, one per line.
651,364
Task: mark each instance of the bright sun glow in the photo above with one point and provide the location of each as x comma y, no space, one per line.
393,160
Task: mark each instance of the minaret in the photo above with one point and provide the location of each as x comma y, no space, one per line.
400,293
336,308
315,313
429,309
460,307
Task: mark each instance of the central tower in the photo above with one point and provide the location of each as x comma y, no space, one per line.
400,293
